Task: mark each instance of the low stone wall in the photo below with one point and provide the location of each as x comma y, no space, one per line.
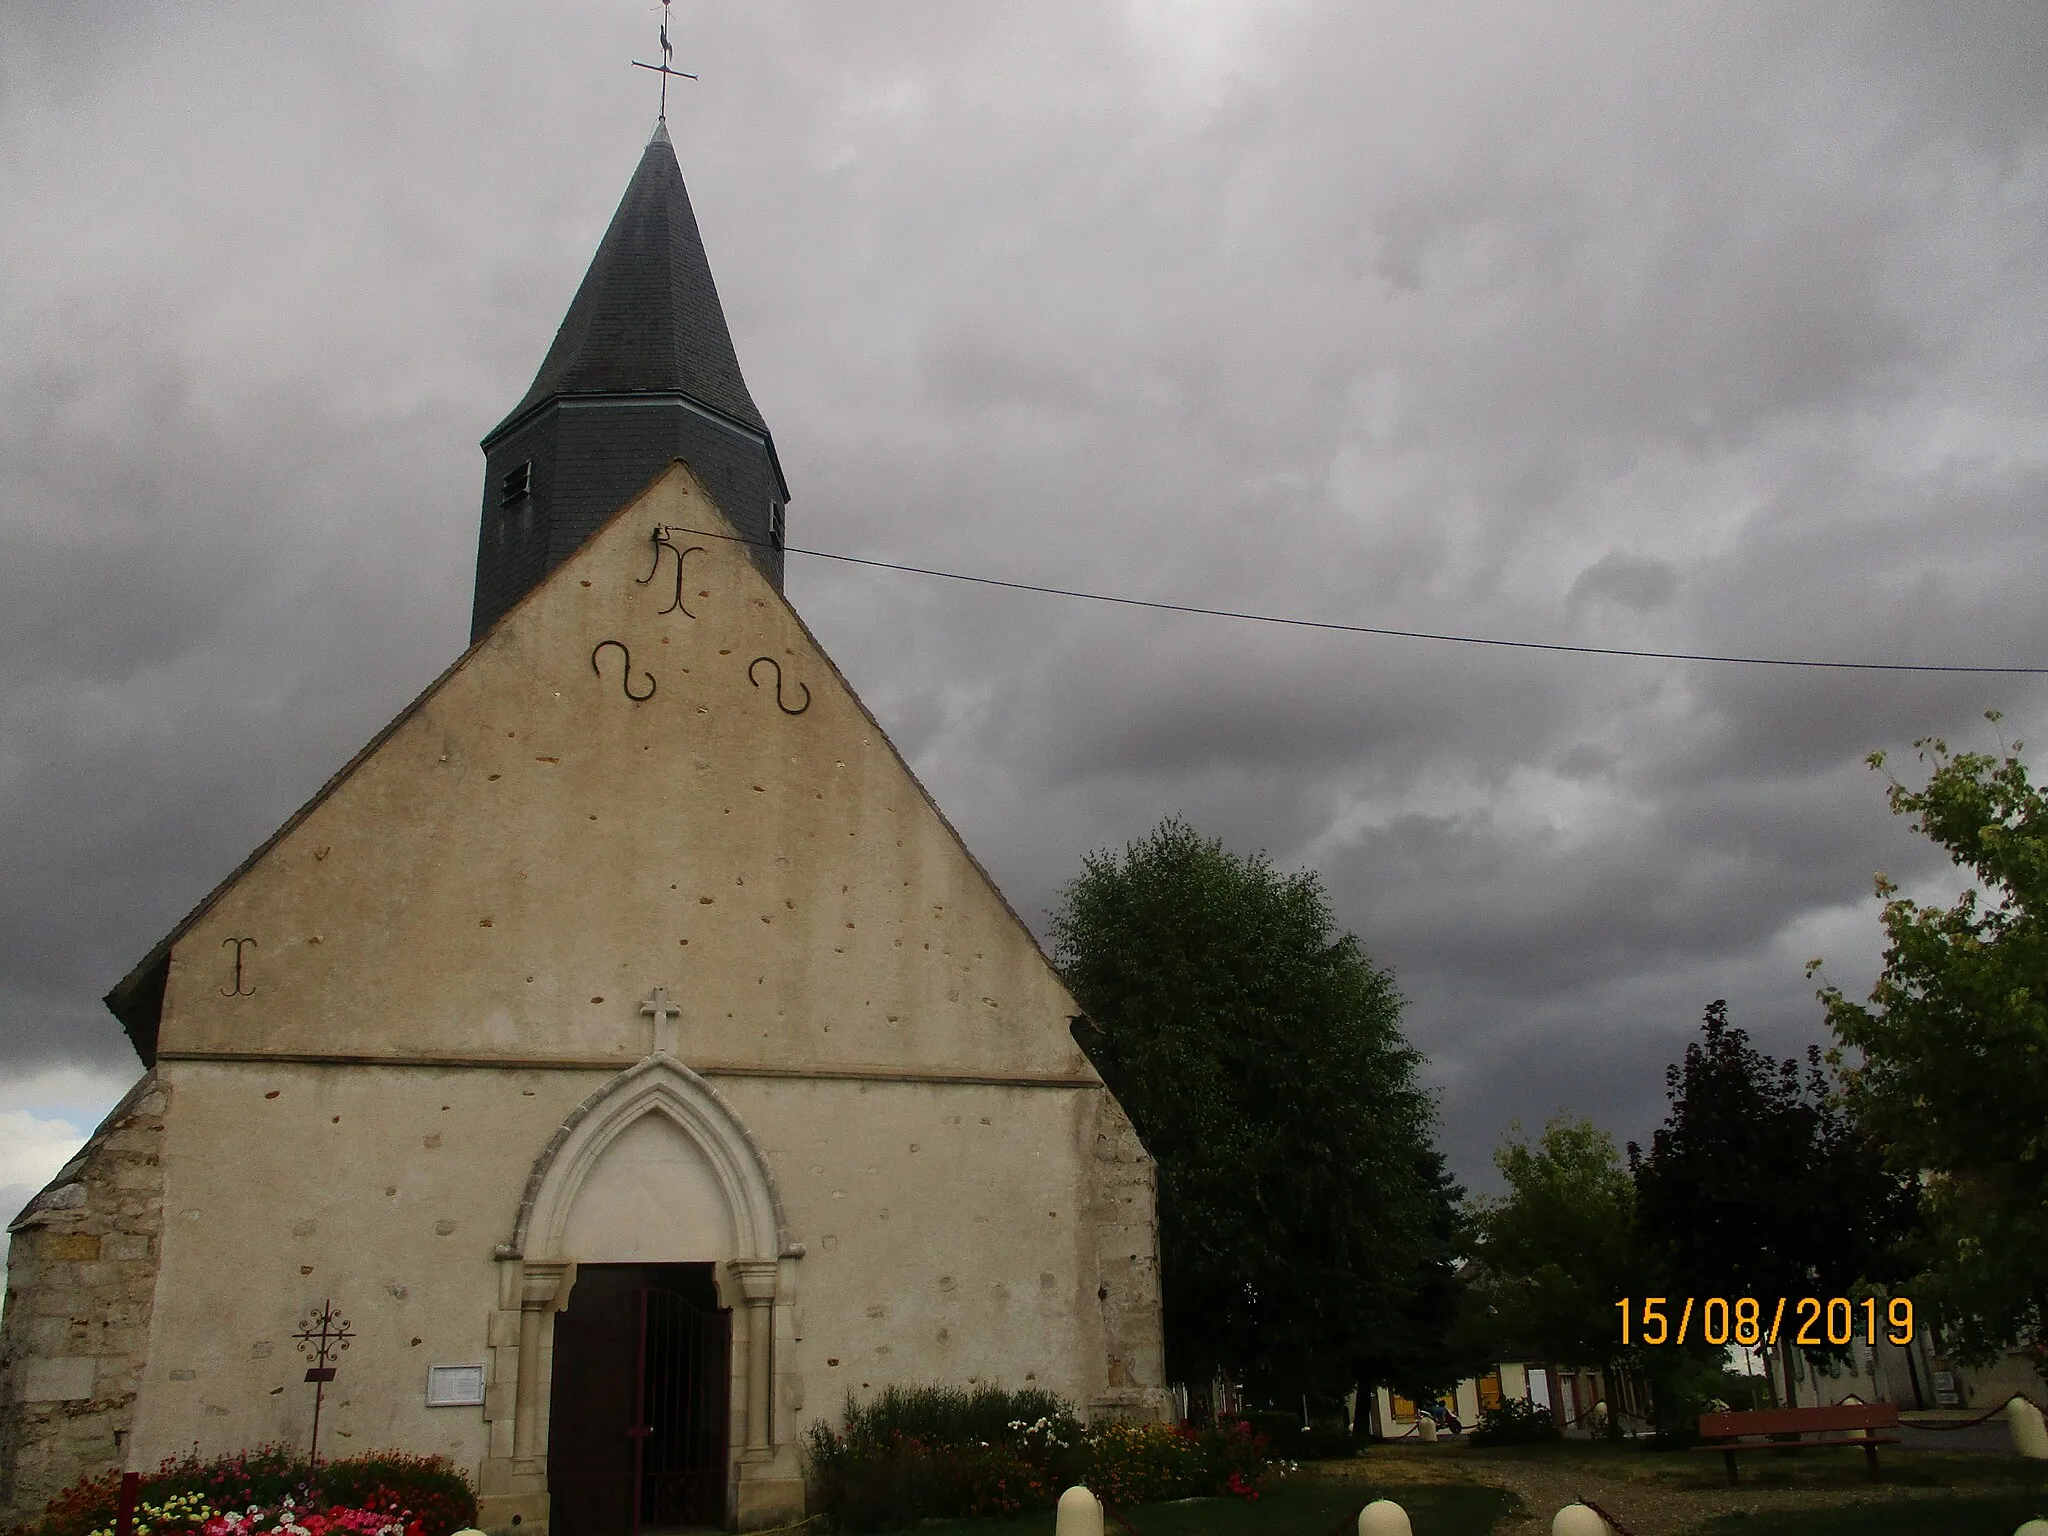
81,1279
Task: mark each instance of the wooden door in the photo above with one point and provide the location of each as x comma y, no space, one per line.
593,1406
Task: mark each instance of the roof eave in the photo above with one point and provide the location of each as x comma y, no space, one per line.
137,999
529,413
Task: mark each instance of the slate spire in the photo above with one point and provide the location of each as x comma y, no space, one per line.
642,371
647,319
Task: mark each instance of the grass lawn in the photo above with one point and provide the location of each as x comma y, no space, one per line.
1302,1505
1936,1493
1961,1515
1447,1491
1813,1468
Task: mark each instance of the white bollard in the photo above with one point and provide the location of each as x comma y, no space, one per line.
1383,1517
1577,1520
1080,1513
1425,1429
2033,1528
2029,1434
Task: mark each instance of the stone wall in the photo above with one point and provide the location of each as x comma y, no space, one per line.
81,1281
1127,1265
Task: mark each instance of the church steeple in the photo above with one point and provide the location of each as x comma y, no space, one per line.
642,371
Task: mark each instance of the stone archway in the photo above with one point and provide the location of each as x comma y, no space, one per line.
654,1166
658,1086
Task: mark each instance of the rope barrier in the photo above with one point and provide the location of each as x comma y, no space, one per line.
1116,1515
1982,1417
1590,1416
1619,1528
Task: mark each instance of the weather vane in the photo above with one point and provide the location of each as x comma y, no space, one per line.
662,69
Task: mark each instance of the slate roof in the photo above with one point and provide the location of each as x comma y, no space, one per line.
647,319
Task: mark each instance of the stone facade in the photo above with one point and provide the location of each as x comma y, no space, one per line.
426,1064
81,1282
1123,1214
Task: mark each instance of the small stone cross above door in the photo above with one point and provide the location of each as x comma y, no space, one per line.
668,1029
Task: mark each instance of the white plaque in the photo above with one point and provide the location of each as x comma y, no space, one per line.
455,1386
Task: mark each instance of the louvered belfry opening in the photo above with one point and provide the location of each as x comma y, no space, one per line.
637,1423
642,372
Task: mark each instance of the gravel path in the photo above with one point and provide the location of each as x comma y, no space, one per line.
1650,1496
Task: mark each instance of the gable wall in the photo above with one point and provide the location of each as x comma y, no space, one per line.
531,851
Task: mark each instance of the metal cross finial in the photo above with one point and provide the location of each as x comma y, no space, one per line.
662,69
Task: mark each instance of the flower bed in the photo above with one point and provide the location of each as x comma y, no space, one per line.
936,1452
1144,1463
187,1512
270,1491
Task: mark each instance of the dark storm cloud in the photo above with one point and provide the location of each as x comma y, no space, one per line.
1704,329
1632,581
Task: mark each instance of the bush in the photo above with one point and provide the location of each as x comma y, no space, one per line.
1326,1439
1517,1421
429,1489
955,1415
920,1453
932,1452
422,1495
879,1485
1144,1463
1331,1441
1744,1392
1681,1389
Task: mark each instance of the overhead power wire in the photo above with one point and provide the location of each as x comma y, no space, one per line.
1374,629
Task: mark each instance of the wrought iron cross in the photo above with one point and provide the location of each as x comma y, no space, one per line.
323,1336
662,69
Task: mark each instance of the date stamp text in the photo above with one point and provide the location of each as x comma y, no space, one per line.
1813,1323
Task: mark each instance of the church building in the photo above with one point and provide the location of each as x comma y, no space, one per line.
623,1045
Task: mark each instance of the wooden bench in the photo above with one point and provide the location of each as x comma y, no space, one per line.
1827,1425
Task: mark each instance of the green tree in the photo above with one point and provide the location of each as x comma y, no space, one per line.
1551,1258
1760,1183
1307,1224
1953,1043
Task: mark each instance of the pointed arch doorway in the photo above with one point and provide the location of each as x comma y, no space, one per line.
642,1375
651,1188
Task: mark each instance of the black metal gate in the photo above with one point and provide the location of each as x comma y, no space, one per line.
637,1427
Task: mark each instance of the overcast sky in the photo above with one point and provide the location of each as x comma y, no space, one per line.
1705,328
